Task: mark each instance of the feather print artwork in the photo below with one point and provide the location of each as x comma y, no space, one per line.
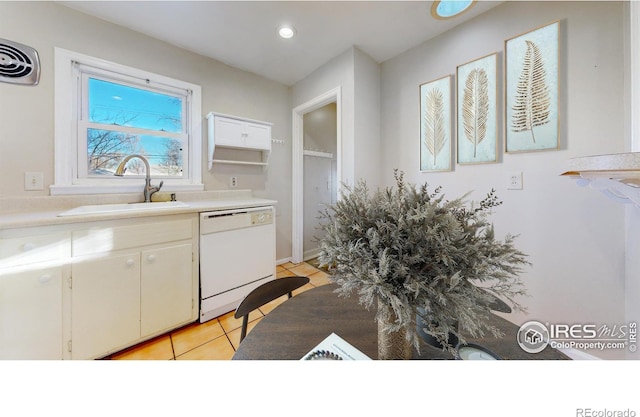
532,100
475,107
434,122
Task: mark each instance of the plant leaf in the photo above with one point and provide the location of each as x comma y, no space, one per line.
434,122
475,107
532,101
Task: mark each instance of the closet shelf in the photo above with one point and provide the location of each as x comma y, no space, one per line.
616,175
319,154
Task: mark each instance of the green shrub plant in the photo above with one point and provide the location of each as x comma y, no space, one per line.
419,253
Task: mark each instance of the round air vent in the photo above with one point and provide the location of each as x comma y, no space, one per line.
19,64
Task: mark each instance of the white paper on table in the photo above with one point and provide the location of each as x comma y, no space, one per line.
338,346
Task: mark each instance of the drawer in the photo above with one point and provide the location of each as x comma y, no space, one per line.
106,238
22,250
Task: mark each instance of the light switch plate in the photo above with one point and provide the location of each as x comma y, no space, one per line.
33,181
514,180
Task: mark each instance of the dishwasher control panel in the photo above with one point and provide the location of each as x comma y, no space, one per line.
218,221
261,217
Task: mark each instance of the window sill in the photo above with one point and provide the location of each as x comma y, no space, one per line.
117,189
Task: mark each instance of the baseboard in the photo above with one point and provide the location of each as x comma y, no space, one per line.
310,254
283,260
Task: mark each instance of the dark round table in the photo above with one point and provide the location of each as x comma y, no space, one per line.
299,324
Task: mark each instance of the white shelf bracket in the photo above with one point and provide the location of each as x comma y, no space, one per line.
614,189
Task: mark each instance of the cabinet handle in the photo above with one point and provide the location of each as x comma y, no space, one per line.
130,262
152,258
44,278
28,246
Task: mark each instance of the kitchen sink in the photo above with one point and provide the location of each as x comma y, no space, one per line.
120,208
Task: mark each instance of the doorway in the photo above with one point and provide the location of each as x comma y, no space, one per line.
319,172
298,172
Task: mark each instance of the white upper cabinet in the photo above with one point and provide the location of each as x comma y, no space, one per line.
233,132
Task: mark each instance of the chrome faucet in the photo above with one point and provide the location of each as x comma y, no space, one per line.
148,189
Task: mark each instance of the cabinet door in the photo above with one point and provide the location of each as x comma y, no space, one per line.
31,314
258,136
105,304
166,288
229,132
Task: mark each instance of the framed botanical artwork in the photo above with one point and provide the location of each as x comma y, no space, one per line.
531,90
477,110
435,125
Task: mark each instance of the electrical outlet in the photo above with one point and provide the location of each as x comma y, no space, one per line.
234,182
514,180
33,181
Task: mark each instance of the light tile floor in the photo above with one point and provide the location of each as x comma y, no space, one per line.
217,338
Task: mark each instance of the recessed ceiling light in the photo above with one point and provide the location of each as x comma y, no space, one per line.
286,31
446,9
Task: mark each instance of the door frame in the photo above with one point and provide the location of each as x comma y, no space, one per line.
297,213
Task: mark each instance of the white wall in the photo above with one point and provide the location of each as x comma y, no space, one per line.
574,236
26,113
320,129
336,73
368,144
358,75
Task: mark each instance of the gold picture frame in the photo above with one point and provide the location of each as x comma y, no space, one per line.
436,133
477,111
532,63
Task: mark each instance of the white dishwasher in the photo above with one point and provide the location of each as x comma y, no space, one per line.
237,254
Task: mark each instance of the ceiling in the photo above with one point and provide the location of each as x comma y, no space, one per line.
242,34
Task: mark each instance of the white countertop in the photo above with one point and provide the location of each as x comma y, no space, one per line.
615,175
36,217
622,166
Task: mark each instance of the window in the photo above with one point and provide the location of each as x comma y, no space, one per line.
106,111
119,120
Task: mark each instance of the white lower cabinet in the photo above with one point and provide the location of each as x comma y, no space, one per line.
166,288
86,290
145,284
31,313
105,304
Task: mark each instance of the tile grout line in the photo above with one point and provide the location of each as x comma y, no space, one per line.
173,350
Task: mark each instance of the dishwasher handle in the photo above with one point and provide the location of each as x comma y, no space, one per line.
211,216
219,222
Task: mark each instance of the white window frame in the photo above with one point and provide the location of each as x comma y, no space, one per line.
70,174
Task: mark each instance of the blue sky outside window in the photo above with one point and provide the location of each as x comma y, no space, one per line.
128,120
112,103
